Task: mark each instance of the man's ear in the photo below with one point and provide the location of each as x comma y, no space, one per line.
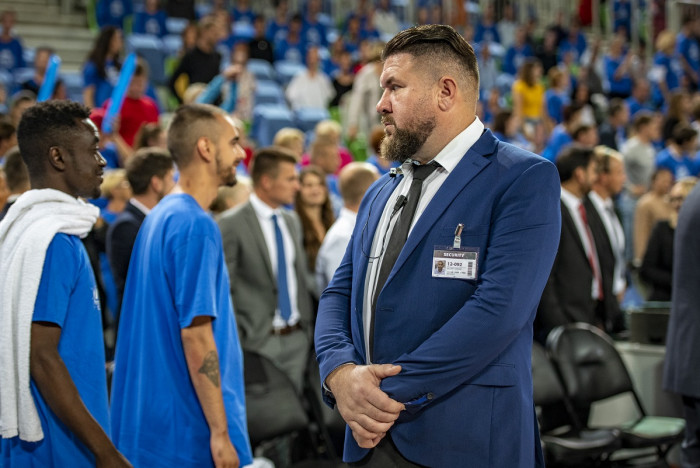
56,158
446,93
205,148
156,184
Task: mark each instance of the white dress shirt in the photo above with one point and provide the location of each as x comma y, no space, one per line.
572,203
616,234
333,247
144,209
264,214
448,159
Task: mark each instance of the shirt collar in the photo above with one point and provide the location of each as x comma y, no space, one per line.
598,200
262,209
453,152
143,208
570,200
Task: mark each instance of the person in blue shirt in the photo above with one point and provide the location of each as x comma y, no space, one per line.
279,25
574,41
617,69
562,134
292,48
667,70
676,156
314,31
622,17
486,30
11,51
688,50
151,20
639,100
177,391
113,12
242,12
558,96
101,70
517,53
58,143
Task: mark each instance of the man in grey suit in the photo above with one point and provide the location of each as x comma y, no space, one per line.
682,350
267,266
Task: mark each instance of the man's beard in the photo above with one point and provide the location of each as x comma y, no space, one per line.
227,175
405,142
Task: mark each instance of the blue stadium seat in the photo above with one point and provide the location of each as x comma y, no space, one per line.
287,70
306,119
172,43
150,48
74,85
7,81
268,119
261,69
23,74
243,30
268,92
28,55
176,25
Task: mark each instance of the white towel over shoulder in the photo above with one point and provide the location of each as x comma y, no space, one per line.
25,234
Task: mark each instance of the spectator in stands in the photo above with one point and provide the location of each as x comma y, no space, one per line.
343,79
150,135
200,64
362,115
561,135
11,51
150,175
354,180
113,12
227,198
4,191
678,155
507,25
314,31
189,38
260,47
385,20
180,9
688,50
652,207
574,290
613,132
517,53
488,71
331,131
242,12
291,139
657,265
291,47
622,17
382,164
278,27
41,62
618,73
21,101
585,135
137,108
574,41
557,96
112,146
677,112
151,20
667,71
506,128
101,70
117,191
311,88
528,93
352,37
313,205
639,100
8,138
547,52
17,178
486,30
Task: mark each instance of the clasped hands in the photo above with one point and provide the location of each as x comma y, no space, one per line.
368,411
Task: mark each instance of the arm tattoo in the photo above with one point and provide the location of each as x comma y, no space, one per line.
210,367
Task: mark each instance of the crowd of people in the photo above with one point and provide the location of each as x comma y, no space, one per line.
238,256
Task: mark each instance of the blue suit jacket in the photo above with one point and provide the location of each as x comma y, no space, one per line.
464,345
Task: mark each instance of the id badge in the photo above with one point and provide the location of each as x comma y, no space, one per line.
455,262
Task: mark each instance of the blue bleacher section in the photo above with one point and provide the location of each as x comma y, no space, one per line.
269,92
268,119
261,69
306,119
287,70
74,85
151,49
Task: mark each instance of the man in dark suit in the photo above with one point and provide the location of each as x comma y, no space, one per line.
574,289
608,234
682,351
150,173
270,284
434,368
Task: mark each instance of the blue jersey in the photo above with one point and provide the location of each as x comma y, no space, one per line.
681,166
314,33
669,70
486,34
291,52
276,32
113,12
150,23
688,48
67,297
556,101
177,272
622,85
11,57
103,86
622,16
515,57
559,139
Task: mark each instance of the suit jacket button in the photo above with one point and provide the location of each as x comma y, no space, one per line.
429,396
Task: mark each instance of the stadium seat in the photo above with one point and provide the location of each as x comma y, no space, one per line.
172,43
7,81
74,85
176,25
269,92
306,119
21,75
261,69
268,119
287,70
150,48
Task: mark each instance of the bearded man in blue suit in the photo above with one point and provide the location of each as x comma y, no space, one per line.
434,369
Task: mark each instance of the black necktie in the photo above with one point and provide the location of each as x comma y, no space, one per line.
400,232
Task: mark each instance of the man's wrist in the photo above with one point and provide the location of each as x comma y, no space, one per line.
334,373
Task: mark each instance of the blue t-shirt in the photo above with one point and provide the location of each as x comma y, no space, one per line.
103,86
150,23
292,52
113,12
681,166
177,272
486,34
636,106
688,48
314,33
578,47
559,139
556,101
515,57
67,297
623,85
243,16
672,70
11,57
276,32
622,16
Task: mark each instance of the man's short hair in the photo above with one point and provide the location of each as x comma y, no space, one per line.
141,68
568,112
443,48
616,105
354,180
604,156
572,158
642,119
683,133
190,123
266,161
580,130
47,124
7,130
16,173
144,164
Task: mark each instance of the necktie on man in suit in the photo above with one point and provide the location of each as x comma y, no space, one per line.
400,232
283,302
591,259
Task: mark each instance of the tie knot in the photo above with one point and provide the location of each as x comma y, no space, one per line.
422,172
274,218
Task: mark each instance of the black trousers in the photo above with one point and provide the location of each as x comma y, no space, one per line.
690,449
385,455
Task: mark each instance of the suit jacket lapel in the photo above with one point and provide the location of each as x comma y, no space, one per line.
567,222
473,162
258,238
135,212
